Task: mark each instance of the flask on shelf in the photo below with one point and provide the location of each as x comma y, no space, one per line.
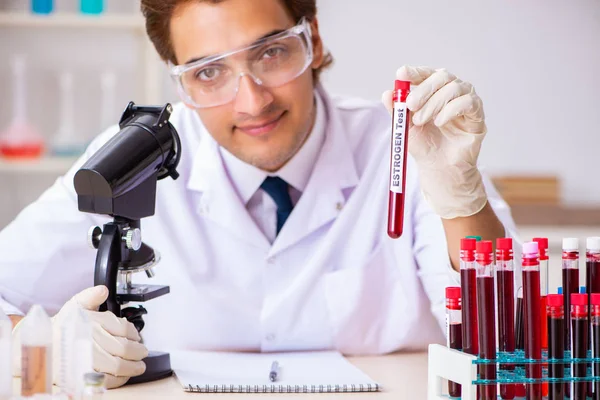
20,140
67,142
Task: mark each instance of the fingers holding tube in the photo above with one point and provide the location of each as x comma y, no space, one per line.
414,75
422,93
469,107
438,100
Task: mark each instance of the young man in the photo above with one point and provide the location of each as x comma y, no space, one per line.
274,236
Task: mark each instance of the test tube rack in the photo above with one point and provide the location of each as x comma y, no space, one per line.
448,364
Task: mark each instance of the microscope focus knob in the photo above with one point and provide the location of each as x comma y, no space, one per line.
94,235
133,239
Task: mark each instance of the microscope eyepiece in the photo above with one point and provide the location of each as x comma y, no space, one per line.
120,178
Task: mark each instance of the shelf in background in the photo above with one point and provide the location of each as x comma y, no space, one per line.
71,20
49,165
555,215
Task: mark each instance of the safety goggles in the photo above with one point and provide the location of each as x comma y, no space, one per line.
271,62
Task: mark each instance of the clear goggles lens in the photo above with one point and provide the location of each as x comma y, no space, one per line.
271,62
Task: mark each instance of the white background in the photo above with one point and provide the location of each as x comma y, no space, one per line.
535,64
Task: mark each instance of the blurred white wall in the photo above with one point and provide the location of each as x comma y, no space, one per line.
535,64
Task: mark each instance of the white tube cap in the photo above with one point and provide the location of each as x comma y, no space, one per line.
571,244
593,243
531,248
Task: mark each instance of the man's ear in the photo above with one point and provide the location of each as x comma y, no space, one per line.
318,52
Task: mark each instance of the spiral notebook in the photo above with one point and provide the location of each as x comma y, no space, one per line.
301,372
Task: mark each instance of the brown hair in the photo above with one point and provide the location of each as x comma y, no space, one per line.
158,15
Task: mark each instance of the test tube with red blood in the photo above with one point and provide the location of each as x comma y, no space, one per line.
399,152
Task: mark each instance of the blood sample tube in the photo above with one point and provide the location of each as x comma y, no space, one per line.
544,261
519,336
399,151
544,285
486,315
556,344
593,265
593,285
579,342
595,322
505,297
453,330
519,322
468,282
531,311
570,285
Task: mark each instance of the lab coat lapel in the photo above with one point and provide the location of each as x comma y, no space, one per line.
219,202
323,198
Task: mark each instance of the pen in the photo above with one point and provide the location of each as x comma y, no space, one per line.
274,371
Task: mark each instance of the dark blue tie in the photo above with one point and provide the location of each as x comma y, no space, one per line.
277,188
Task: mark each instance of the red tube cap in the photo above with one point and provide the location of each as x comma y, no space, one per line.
453,292
555,300
504,244
468,244
401,85
579,299
542,243
485,246
595,299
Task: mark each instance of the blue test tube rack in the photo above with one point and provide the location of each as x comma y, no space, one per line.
454,365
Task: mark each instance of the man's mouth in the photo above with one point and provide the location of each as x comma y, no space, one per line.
260,128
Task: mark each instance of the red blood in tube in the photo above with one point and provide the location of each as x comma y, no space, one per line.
399,152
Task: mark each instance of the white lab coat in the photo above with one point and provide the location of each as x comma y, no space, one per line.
331,279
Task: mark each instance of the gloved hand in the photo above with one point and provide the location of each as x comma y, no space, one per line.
117,351
445,135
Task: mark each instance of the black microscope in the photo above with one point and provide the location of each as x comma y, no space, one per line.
120,180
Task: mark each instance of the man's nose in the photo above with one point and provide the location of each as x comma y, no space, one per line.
251,98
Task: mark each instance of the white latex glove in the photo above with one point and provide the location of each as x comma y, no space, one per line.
445,135
117,353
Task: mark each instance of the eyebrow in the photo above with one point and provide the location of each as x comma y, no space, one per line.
272,33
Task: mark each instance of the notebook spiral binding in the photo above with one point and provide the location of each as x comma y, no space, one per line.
282,388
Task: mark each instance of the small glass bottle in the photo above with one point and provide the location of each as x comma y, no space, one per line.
76,351
36,353
93,388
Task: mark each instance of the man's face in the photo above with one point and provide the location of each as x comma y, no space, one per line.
262,126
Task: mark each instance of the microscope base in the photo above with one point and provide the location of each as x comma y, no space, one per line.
158,366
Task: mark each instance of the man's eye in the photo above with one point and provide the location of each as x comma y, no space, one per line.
207,74
273,52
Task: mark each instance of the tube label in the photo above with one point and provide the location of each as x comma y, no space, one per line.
398,143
